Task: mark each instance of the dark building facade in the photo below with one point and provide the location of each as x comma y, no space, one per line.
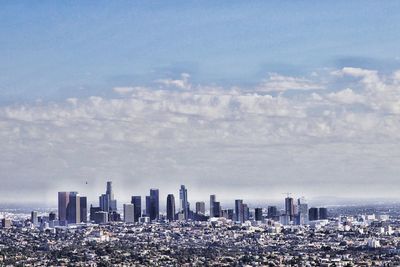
83,209
170,207
239,213
323,213
313,214
137,207
258,216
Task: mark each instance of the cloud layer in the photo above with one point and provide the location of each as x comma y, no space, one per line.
230,141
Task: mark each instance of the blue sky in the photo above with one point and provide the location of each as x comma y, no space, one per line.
53,49
253,97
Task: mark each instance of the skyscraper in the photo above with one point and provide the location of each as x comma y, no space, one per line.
137,207
104,202
183,200
148,202
273,213
212,200
34,218
323,213
63,200
52,216
112,202
73,208
313,214
289,208
154,204
170,207
200,208
129,213
302,211
258,214
239,214
217,209
246,212
83,209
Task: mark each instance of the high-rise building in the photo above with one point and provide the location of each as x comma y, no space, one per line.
137,207
212,200
272,213
148,200
107,202
63,200
183,201
201,208
129,215
216,209
104,202
112,202
323,213
154,204
170,207
100,217
83,209
5,223
289,208
34,218
73,208
313,214
52,216
258,214
239,214
302,211
93,211
228,214
246,212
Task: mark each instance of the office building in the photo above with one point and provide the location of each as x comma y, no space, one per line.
104,202
83,209
137,207
5,223
201,208
100,217
216,209
34,218
212,200
93,211
239,214
302,214
183,201
323,213
258,214
170,207
289,208
129,214
228,214
73,208
63,200
313,214
52,216
246,212
153,204
112,202
272,213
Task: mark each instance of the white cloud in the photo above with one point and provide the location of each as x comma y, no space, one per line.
277,82
347,96
123,90
182,83
207,135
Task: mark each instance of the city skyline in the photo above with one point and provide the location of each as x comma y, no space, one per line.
250,99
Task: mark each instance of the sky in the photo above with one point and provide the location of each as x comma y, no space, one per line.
242,99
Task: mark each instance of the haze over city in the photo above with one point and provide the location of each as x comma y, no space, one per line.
239,100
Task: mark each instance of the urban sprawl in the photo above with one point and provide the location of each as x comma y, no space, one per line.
296,235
